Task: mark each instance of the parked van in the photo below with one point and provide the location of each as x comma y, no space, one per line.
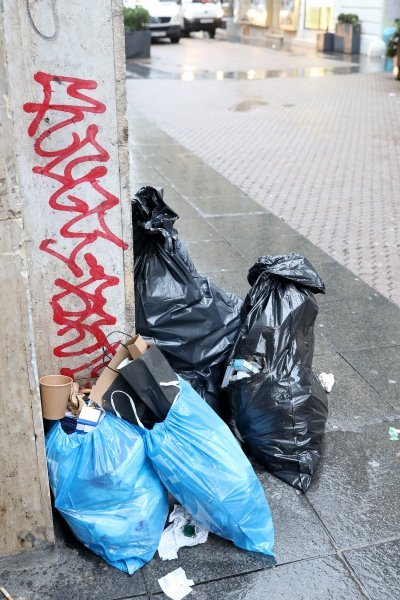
202,15
166,17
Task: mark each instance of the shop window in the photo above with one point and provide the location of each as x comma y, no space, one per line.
257,13
317,15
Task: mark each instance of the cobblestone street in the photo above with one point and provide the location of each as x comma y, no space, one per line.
304,135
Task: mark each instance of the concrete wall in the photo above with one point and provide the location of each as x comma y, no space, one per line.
25,514
65,252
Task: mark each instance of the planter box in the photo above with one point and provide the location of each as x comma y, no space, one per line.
137,44
347,39
325,42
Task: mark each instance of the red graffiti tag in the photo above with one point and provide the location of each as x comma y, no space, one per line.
80,194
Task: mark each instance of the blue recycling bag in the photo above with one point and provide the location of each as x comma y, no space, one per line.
108,492
202,465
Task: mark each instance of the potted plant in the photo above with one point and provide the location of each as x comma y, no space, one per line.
393,49
137,34
347,34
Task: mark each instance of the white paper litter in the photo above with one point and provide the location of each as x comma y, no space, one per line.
327,381
173,536
176,585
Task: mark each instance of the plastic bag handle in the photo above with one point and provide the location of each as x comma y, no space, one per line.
132,405
103,347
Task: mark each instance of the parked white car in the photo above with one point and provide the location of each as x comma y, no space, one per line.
166,17
202,15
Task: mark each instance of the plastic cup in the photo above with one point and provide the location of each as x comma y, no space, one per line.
54,392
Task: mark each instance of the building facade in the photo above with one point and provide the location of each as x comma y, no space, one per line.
299,21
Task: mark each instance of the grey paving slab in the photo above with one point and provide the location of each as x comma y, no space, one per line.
220,201
355,492
170,193
378,568
234,280
381,368
321,345
340,283
65,571
320,579
264,234
215,255
206,562
358,323
299,533
195,229
353,402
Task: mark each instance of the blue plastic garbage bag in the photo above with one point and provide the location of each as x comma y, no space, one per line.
202,465
108,492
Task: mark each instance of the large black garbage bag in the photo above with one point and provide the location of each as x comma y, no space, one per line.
192,321
280,412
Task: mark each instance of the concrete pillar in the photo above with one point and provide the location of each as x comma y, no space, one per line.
67,264
67,95
25,512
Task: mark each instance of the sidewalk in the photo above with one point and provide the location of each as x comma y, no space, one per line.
341,540
305,135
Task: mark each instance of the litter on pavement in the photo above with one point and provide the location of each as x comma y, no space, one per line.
176,585
182,532
327,381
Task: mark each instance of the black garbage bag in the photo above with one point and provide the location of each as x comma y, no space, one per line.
280,412
193,322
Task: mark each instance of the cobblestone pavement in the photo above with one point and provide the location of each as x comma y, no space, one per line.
321,152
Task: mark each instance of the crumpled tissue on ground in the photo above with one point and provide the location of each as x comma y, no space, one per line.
175,537
176,585
327,380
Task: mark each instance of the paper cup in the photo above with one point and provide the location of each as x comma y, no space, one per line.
54,392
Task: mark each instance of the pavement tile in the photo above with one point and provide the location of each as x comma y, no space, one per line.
214,256
264,234
353,403
381,368
213,187
322,347
358,323
68,568
299,534
340,283
319,579
378,568
355,491
206,562
220,201
234,280
185,211
194,229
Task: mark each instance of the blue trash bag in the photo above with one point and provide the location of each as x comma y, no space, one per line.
108,492
202,465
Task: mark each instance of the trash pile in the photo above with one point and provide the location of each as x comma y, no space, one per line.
153,423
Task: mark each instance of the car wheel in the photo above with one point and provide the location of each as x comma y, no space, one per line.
175,38
211,33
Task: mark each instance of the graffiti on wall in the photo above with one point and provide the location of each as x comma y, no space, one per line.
81,203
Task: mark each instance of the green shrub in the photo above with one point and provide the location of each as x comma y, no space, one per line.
393,41
350,18
137,18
